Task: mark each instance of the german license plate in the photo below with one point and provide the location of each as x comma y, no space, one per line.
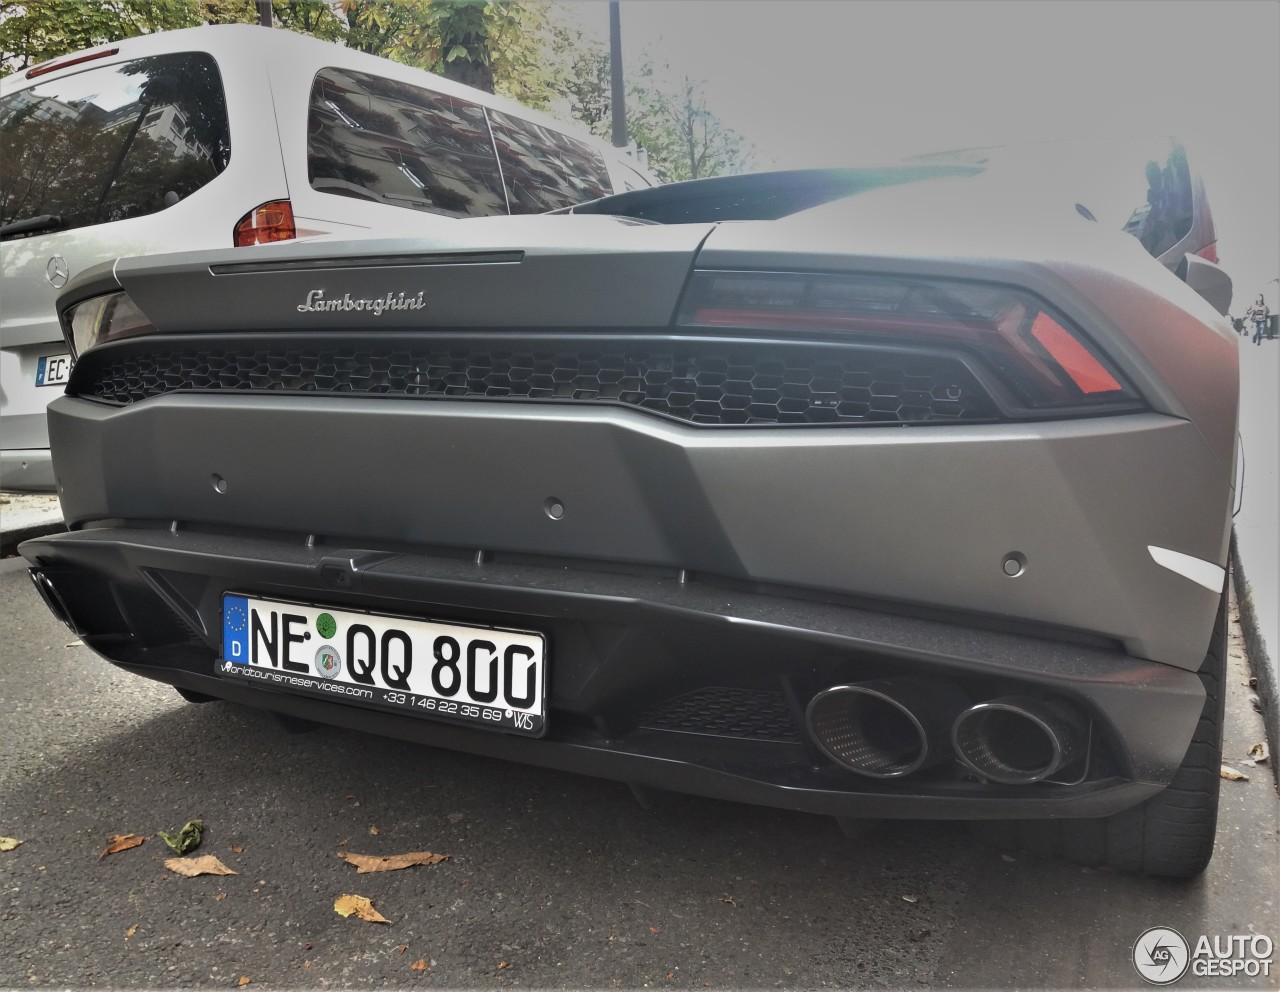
53,370
481,676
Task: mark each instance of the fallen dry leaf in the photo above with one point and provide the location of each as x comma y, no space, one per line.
131,931
237,849
244,980
375,831
120,842
419,965
1259,752
670,975
308,945
402,948
911,899
729,901
206,864
9,843
366,863
655,931
358,906
307,965
503,964
1232,775
219,897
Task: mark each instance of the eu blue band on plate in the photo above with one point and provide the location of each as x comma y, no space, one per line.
41,368
235,629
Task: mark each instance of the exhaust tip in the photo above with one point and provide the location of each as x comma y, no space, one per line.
49,594
865,729
1017,741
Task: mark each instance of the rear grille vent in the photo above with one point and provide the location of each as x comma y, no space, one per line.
707,382
726,712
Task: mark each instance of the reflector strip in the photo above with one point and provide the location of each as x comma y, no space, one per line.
1086,372
1198,570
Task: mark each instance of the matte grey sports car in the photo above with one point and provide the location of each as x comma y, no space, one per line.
873,493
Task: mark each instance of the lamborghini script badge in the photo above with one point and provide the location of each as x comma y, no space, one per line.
316,303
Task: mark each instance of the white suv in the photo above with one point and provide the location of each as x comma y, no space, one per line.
237,135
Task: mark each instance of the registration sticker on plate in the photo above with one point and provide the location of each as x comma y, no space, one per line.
53,370
481,676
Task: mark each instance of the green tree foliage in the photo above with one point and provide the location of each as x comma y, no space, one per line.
511,47
38,30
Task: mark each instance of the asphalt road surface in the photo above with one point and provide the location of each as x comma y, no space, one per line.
553,880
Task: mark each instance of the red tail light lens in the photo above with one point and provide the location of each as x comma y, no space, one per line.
1033,358
270,222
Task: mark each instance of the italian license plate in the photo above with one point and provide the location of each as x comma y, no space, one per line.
53,370
480,676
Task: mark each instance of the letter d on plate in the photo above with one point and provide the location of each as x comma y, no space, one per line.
235,629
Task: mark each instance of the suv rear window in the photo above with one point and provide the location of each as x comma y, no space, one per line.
112,142
544,169
391,142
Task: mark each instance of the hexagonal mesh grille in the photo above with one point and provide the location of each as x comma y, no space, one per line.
703,383
720,711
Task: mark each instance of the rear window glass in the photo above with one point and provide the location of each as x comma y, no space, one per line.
544,169
392,142
112,142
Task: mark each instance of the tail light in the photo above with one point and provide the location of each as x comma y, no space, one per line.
269,222
105,318
1032,358
1209,252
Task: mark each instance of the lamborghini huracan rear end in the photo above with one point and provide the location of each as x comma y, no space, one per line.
891,507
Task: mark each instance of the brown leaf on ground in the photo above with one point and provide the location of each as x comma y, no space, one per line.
366,863
1232,775
911,899
1258,752
374,830
307,965
670,975
206,864
419,965
244,980
308,945
729,901
402,948
504,964
9,843
131,931
358,906
120,842
655,931
237,849
219,897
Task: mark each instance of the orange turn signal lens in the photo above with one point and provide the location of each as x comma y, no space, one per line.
269,222
1089,374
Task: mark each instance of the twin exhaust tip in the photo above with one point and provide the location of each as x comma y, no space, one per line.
889,728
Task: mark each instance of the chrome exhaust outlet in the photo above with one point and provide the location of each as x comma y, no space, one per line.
884,729
1017,740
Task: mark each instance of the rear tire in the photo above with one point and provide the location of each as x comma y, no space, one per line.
1172,833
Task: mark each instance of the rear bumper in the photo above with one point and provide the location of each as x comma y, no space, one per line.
624,650
919,516
26,470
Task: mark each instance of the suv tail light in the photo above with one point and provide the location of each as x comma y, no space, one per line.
269,222
1033,358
